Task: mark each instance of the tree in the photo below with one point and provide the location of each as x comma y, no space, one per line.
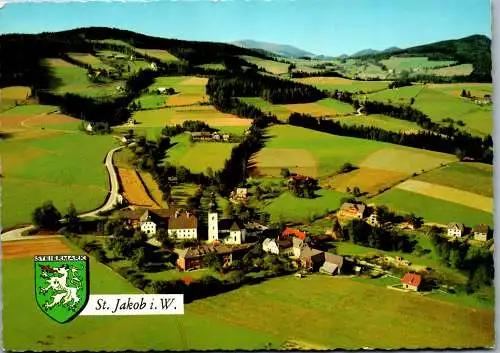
258,192
163,237
346,168
211,260
46,216
463,94
285,172
72,220
291,67
139,258
356,192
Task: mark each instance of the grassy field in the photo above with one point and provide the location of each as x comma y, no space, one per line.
456,70
342,84
90,59
271,66
163,55
49,167
381,121
440,103
450,194
278,307
413,63
27,328
173,116
69,78
289,208
432,209
473,177
197,157
430,259
319,154
279,110
181,193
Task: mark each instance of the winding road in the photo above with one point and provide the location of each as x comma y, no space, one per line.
111,200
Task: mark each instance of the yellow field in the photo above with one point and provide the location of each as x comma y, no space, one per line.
14,93
271,160
89,59
195,81
153,188
367,179
313,109
446,193
325,81
172,116
133,189
55,62
158,54
459,70
185,99
405,161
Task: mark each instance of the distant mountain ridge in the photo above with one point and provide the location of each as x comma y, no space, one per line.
366,52
274,48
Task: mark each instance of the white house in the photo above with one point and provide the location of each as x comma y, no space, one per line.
298,246
162,90
269,245
183,225
153,66
89,127
148,227
455,230
228,231
480,232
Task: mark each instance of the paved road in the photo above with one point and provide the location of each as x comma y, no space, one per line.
15,234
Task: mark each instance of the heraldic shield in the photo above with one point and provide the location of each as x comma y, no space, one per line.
62,285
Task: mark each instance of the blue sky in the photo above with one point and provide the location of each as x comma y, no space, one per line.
330,27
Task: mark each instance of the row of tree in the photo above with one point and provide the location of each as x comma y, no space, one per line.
272,89
360,232
475,260
462,144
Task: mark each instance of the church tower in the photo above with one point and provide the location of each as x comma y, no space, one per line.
213,226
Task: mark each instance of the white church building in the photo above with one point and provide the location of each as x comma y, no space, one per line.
227,231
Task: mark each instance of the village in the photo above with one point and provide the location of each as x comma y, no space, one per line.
230,239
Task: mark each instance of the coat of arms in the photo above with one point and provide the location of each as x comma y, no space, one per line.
61,285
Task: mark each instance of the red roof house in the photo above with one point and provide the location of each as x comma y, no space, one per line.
411,281
295,232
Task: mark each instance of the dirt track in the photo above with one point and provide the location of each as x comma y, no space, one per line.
32,247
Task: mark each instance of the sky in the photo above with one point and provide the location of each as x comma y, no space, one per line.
328,27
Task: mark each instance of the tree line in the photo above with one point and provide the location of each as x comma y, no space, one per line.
272,89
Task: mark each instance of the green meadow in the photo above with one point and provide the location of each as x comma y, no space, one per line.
472,177
324,312
27,328
198,156
280,111
289,208
413,63
439,104
50,168
431,209
380,121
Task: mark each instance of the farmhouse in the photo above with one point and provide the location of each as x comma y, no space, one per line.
240,195
183,225
411,281
229,231
192,258
455,230
311,258
332,265
282,247
254,228
351,210
201,135
480,232
373,219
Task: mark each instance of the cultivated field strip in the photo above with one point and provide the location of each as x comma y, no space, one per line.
133,189
32,247
446,193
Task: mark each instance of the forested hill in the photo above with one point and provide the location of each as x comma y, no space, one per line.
475,50
20,53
